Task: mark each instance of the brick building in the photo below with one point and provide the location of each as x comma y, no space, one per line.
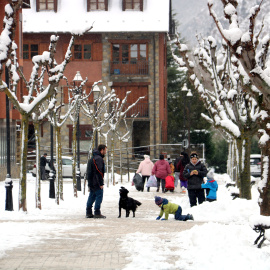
126,49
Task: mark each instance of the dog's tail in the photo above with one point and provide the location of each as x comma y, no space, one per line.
137,202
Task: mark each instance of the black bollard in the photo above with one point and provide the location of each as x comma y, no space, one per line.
78,177
9,199
52,188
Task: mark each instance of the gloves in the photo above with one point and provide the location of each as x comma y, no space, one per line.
163,219
158,218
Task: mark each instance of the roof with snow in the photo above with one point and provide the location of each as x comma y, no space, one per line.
72,16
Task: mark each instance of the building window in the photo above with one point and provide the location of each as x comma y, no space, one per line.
93,5
47,5
30,50
82,51
129,58
132,5
126,53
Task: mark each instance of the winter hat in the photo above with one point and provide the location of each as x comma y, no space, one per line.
210,175
146,156
161,156
192,155
158,200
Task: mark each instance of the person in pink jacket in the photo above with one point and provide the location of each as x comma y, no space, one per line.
161,170
145,168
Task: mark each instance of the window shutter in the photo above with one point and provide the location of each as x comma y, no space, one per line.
43,47
106,5
37,5
65,94
97,52
88,5
141,5
55,5
123,5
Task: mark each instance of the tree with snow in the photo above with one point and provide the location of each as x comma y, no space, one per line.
230,107
253,54
120,112
32,100
42,64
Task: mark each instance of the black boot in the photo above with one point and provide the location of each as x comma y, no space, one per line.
89,213
148,189
98,214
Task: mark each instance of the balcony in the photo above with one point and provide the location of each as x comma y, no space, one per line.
139,67
141,108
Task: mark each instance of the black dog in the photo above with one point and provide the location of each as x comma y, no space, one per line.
127,203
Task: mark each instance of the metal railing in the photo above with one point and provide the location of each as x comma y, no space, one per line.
3,145
135,67
127,159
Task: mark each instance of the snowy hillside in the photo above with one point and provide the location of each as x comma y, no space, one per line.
193,17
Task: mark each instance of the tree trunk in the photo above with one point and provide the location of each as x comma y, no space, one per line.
74,153
38,176
264,187
59,177
107,162
245,187
230,160
121,171
24,144
244,149
112,158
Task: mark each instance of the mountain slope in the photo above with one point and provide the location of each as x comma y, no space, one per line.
194,18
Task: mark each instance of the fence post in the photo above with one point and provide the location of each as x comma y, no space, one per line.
121,172
128,163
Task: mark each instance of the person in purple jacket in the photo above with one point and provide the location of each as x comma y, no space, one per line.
161,170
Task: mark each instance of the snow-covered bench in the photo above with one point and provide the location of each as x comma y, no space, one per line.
259,224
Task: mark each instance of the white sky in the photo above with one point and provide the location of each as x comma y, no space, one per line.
222,239
72,16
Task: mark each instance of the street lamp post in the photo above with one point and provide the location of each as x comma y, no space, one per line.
8,181
186,142
189,94
78,79
96,92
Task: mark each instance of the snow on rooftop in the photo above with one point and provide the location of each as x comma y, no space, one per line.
72,16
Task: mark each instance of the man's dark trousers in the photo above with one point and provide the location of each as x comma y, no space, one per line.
97,197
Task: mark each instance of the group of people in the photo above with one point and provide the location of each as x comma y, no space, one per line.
189,169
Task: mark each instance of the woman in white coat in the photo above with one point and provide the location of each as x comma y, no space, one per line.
145,169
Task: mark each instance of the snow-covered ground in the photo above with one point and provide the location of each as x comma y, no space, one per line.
222,238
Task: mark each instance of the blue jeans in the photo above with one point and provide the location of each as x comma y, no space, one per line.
94,196
178,214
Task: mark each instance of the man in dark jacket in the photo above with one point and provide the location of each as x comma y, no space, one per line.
195,171
43,161
95,176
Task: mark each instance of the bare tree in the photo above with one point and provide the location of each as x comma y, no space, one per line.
253,53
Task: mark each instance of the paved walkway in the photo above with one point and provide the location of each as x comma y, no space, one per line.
95,244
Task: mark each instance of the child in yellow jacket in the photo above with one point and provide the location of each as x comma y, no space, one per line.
170,208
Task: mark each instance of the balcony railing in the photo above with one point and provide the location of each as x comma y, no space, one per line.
129,67
141,108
